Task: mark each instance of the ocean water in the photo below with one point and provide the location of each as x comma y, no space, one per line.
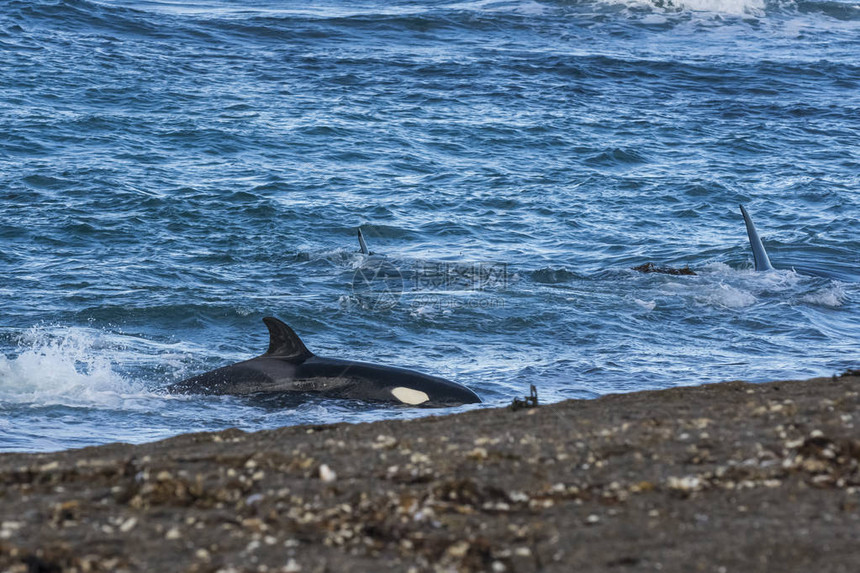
173,171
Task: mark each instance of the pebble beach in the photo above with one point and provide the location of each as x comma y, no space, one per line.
723,477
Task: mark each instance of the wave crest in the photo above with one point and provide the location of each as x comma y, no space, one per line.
62,367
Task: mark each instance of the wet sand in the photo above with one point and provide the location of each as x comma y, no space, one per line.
725,477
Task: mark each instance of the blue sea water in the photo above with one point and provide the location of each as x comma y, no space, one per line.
173,171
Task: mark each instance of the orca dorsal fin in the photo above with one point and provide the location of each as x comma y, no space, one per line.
284,342
361,244
762,262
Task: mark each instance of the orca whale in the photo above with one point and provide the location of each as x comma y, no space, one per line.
362,246
760,258
289,367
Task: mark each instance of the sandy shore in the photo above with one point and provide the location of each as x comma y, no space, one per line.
726,477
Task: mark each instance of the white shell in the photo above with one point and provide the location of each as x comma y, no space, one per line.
327,474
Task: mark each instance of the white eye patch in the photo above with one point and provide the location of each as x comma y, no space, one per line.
410,396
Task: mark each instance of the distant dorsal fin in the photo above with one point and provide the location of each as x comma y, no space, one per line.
762,262
361,244
284,343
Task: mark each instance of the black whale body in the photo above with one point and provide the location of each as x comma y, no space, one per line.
289,367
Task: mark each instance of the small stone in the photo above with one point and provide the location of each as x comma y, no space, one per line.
173,533
459,549
327,475
384,442
523,552
686,483
478,454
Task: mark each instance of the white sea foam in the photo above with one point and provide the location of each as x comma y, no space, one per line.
64,366
718,268
833,296
775,280
728,7
734,7
728,296
525,7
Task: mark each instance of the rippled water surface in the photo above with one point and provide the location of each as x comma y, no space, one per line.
171,172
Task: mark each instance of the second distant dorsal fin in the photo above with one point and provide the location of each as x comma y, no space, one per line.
284,342
762,262
361,244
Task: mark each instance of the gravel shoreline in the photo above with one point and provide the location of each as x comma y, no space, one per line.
724,477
